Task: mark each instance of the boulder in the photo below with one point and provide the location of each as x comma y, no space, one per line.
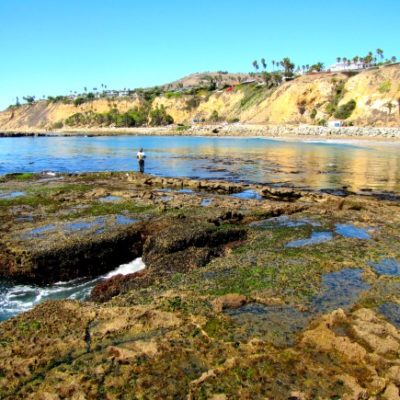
229,301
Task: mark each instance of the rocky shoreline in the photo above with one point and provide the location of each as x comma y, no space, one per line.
248,292
236,129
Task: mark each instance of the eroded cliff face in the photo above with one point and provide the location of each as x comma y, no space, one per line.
306,99
377,94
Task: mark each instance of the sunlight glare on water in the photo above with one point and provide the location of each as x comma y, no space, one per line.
358,165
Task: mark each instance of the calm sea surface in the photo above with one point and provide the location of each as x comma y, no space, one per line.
311,164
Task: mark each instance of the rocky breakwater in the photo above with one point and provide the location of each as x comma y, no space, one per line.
301,130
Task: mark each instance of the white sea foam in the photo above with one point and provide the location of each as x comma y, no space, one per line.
20,298
125,269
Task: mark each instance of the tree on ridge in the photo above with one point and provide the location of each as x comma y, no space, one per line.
380,53
288,66
263,63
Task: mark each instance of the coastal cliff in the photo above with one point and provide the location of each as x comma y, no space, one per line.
368,98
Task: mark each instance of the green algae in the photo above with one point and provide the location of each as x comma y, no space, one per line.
28,327
220,328
22,176
97,209
26,176
28,200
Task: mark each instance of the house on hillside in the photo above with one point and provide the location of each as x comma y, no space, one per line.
123,93
346,66
248,81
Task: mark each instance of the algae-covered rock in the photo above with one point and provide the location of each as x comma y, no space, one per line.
184,244
223,309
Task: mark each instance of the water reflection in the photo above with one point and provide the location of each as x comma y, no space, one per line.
317,165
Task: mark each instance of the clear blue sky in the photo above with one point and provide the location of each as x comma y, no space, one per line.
50,47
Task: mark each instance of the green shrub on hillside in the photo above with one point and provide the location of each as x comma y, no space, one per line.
170,95
345,110
337,95
137,116
148,95
330,108
75,119
59,99
385,87
214,117
313,113
192,103
159,117
183,128
84,98
57,125
78,101
253,94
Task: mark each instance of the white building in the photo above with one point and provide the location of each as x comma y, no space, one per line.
346,66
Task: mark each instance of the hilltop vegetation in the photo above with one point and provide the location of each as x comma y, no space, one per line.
367,98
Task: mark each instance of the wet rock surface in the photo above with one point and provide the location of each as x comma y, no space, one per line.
223,310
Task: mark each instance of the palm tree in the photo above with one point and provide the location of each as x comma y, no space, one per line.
288,66
263,63
338,59
318,67
380,53
273,64
255,65
368,59
393,59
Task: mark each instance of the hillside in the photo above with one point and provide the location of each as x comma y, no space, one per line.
369,98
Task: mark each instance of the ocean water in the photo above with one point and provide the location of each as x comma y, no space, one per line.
355,165
15,299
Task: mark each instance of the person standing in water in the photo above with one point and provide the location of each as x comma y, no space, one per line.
141,156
